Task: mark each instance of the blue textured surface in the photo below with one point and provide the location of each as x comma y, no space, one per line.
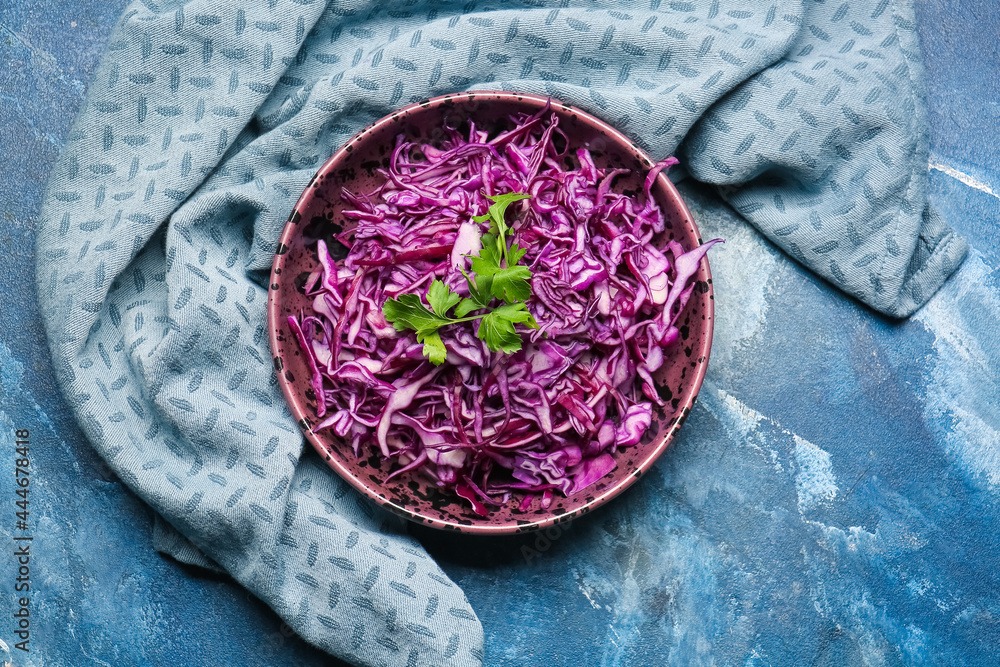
841,472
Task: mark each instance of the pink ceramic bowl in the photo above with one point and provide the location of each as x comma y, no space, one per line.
317,215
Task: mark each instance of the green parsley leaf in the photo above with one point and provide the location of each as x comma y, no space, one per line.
480,295
466,306
514,254
509,283
499,334
483,292
497,328
497,210
441,298
491,252
408,312
515,312
434,348
512,284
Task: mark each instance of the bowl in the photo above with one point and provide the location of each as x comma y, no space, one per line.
317,215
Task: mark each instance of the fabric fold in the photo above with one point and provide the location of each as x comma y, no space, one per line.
206,120
826,153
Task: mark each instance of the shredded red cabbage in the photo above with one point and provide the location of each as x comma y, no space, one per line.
485,424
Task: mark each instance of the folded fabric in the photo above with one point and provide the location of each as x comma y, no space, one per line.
205,121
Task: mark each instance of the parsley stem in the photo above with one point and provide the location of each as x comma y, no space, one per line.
467,319
502,245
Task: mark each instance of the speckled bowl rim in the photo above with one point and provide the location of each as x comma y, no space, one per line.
301,410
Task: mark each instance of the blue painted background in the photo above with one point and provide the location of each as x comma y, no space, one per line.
833,499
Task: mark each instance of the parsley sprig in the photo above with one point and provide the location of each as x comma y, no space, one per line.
497,276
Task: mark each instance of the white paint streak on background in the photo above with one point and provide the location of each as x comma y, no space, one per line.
814,480
961,406
971,181
743,269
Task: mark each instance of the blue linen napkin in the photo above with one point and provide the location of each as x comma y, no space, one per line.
205,121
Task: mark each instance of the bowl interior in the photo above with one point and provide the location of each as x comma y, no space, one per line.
318,215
